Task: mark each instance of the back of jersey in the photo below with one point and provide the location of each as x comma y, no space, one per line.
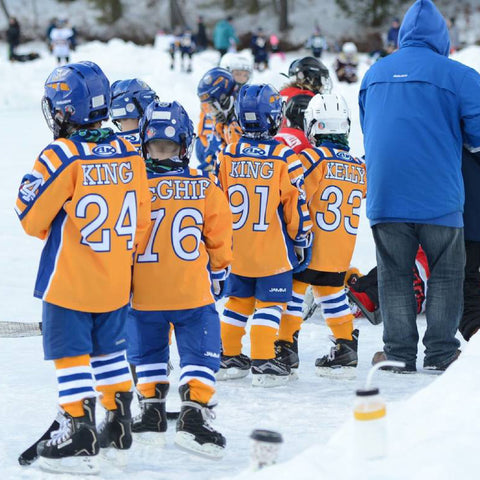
91,201
189,236
335,183
266,207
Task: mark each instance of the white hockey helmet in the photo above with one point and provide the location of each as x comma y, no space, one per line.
326,114
349,48
236,61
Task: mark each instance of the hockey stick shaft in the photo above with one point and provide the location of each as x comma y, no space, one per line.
30,454
20,329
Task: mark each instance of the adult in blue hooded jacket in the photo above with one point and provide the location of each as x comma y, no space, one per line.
417,109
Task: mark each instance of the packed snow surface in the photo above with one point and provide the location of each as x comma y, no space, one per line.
432,421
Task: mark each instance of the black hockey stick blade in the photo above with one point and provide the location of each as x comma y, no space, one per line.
310,311
30,454
373,317
20,329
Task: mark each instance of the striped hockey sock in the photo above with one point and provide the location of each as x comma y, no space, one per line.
233,323
201,381
264,330
148,376
291,320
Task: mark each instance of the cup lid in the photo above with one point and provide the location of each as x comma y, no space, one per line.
267,436
367,392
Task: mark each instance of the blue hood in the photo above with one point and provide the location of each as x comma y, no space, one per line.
424,26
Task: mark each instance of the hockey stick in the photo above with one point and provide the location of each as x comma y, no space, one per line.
373,317
310,311
20,329
30,454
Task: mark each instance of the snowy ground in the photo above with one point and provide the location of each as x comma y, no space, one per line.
307,412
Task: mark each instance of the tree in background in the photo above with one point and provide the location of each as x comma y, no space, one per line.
111,10
371,12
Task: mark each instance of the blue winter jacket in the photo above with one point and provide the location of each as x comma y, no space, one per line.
223,35
417,109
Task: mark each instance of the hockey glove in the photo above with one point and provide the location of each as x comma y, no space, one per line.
303,251
218,282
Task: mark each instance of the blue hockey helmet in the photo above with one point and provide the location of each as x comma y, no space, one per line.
167,121
76,94
217,85
259,109
130,98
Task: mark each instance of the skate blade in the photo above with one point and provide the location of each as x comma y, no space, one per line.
186,441
112,455
346,373
269,381
154,439
73,465
230,374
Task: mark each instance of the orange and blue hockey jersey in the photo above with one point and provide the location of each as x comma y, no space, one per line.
335,184
133,136
263,180
189,237
90,201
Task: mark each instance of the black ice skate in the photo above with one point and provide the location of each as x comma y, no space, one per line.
151,423
194,432
287,352
270,373
116,429
342,358
71,447
233,367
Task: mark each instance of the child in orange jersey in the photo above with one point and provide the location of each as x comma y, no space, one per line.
270,221
335,182
188,249
88,197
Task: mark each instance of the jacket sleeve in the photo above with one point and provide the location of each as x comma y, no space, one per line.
217,230
469,93
42,194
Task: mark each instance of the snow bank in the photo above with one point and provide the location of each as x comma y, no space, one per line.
432,435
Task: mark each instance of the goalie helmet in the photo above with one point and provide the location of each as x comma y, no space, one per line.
295,110
326,115
259,109
167,121
311,73
75,95
130,98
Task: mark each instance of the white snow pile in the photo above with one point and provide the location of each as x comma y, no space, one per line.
432,435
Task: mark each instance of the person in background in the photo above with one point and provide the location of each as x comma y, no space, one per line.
346,65
201,38
259,46
392,35
13,37
316,43
454,35
187,49
224,35
275,46
413,137
60,39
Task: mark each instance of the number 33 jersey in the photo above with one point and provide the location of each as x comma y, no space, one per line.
90,202
335,184
190,235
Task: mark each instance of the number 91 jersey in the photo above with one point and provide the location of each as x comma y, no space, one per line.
91,203
335,184
189,236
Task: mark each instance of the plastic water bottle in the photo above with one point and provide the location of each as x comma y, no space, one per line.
369,413
265,448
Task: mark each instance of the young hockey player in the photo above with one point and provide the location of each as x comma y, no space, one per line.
335,183
259,46
262,179
61,40
88,197
346,65
292,133
129,99
187,49
239,66
188,248
216,89
317,43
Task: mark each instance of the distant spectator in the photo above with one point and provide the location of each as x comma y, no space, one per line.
61,38
187,49
51,26
13,37
201,38
224,35
317,43
259,46
346,64
454,35
392,35
275,46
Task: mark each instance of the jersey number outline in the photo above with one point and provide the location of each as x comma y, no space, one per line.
243,208
178,235
127,212
333,195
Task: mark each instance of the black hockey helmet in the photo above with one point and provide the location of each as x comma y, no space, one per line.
295,110
311,72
